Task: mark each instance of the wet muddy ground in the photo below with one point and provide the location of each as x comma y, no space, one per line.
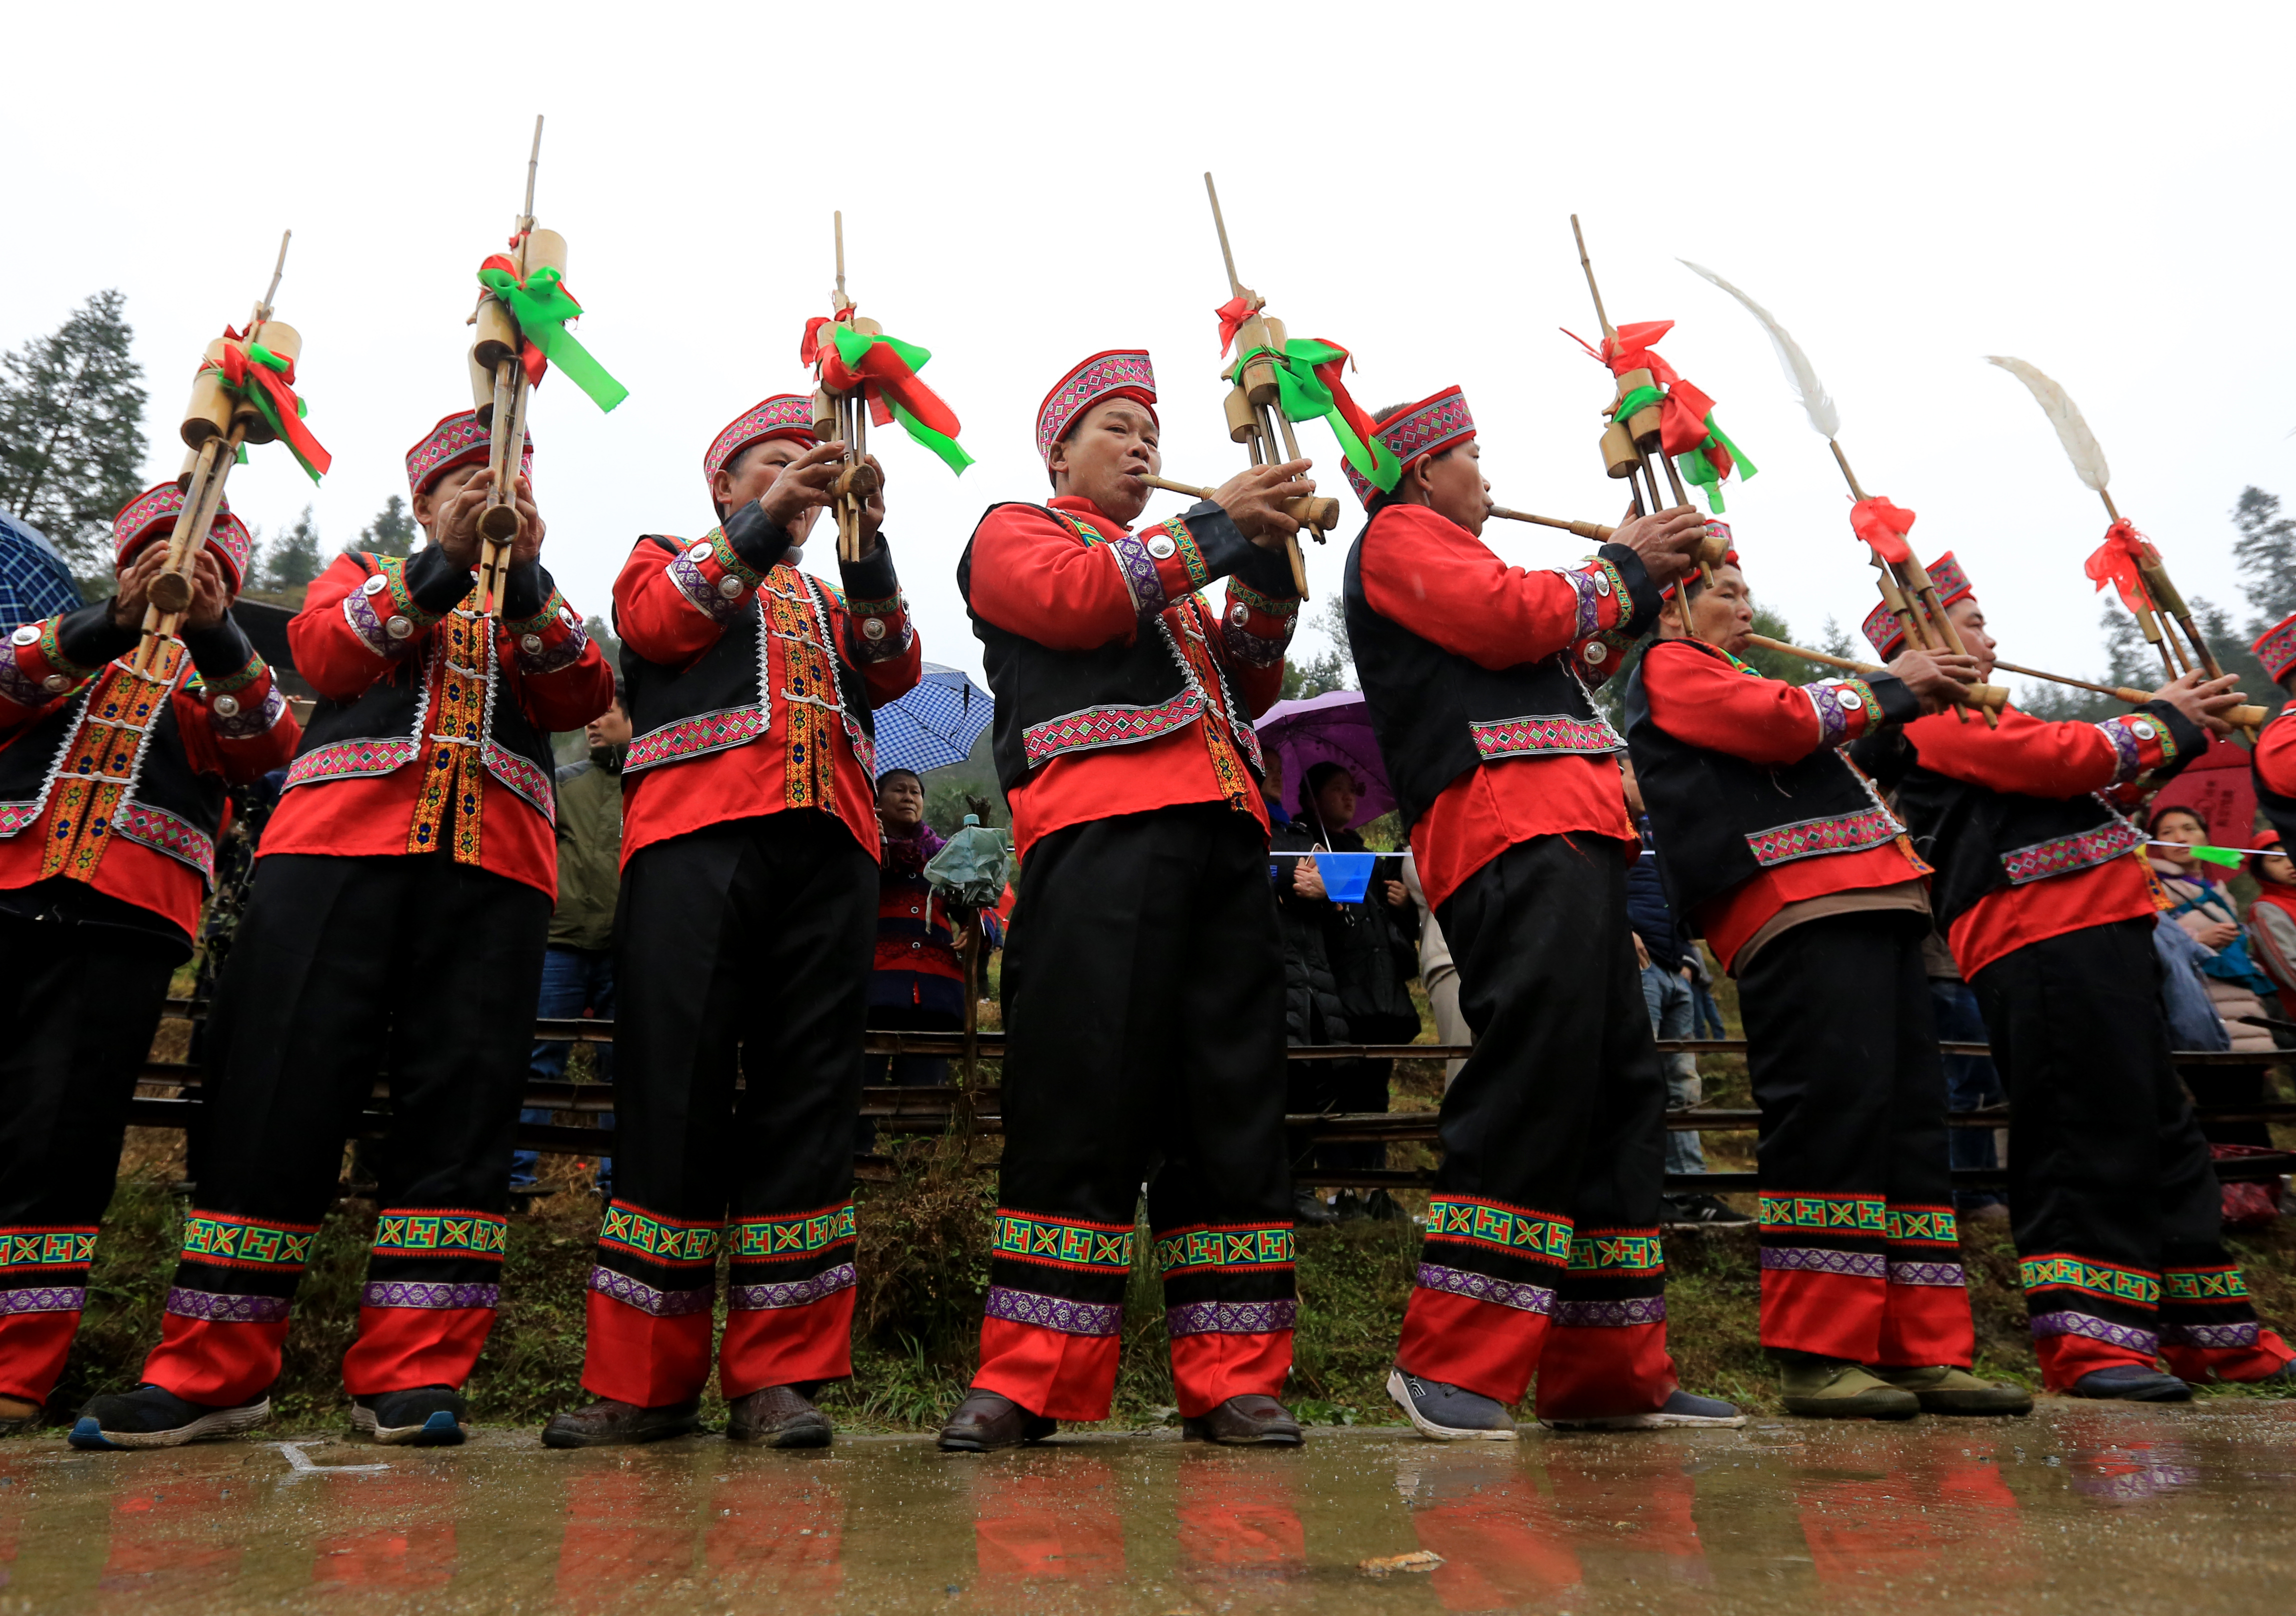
2080,1507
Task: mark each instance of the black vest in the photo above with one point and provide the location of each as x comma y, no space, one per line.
1437,715
2279,809
168,807
380,730
1052,703
722,699
1982,840
1719,821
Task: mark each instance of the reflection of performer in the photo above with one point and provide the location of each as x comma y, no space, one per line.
1501,1544
1052,1525
409,863
749,900
1143,985
2046,899
1240,1535
114,784
1545,1208
1809,892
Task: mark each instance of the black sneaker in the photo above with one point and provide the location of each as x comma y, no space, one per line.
1448,1413
1681,1209
2131,1383
151,1416
425,1416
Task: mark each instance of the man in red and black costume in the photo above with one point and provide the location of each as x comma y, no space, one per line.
1542,1248
1805,888
394,928
746,925
111,796
1143,983
2042,889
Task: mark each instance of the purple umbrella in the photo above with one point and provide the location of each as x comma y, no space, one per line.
1333,728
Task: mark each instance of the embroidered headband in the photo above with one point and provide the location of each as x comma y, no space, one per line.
2277,649
1881,628
457,439
1416,431
1117,374
782,415
154,513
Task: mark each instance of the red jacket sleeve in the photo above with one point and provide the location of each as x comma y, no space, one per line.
47,662
2034,758
872,626
237,724
1696,696
673,599
562,676
2276,754
367,613
1254,637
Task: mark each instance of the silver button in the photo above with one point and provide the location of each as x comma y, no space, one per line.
1596,651
1161,546
700,551
530,643
1851,699
567,616
1602,583
29,635
913,909
398,628
375,585
730,586
916,945
1239,614
55,684
872,628
2143,729
226,707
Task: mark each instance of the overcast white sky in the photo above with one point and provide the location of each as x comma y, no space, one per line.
2093,188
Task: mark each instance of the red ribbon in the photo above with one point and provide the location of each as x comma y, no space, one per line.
1883,525
2116,561
528,355
1232,314
1683,412
1358,419
280,387
882,376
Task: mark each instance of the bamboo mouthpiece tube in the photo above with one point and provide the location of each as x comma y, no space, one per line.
1583,529
1309,510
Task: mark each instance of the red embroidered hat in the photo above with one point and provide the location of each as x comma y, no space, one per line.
1417,430
1881,628
152,515
2277,649
1117,374
457,439
1717,529
782,415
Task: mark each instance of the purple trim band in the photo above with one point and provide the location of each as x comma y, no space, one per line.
1927,1274
1481,1287
1806,1259
657,1304
1054,1312
418,1293
2097,1330
1140,577
793,1292
217,1308
1231,1318
2210,1335
55,1299
1611,1315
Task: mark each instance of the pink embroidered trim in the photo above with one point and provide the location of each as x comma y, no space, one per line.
1542,736
1098,726
163,833
2062,854
709,732
1809,838
347,760
522,778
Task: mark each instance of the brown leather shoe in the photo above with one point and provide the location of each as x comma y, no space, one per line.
986,1421
778,1416
607,1424
1242,1421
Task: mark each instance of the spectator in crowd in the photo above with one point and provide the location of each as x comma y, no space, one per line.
2272,920
1705,1014
1970,1081
917,982
2206,914
1312,1010
1663,948
577,969
1437,974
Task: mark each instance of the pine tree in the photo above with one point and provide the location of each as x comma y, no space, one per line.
292,561
71,430
2266,551
392,531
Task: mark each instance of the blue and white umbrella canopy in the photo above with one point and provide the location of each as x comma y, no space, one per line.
936,724
34,581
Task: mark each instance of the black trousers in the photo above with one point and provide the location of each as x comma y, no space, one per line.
1861,1255
78,1011
2116,1208
411,969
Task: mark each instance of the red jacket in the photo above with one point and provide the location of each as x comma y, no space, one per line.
1033,577
1435,578
366,617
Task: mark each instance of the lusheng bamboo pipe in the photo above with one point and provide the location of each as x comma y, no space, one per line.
1583,529
2239,717
1309,510
497,522
1987,699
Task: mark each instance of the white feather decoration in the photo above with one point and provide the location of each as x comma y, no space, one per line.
2072,431
1800,374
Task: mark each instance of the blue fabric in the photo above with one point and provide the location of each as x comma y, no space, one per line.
2192,1021
935,725
1667,995
35,583
1972,1082
1648,911
573,980
2231,963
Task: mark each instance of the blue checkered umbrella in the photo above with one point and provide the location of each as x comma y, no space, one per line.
34,581
935,725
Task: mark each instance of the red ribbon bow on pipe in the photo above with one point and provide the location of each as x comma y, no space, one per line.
885,375
1232,314
1883,525
2115,561
1682,412
278,386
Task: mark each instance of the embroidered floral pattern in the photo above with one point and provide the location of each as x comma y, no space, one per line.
1140,579
1481,1287
2064,854
1266,1247
1855,1214
1231,1318
1538,737
1054,1312
67,1248
246,1242
684,572
1517,1230
1835,833
761,1239
1616,1251
2061,1271
1921,1225
659,1239
1061,1242
95,773
1838,718
2206,1284
403,1232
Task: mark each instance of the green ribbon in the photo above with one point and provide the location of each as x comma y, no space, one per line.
1303,397
1641,399
542,307
893,390
1700,471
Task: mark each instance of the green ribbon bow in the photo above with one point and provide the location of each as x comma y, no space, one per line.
897,387
542,307
1304,394
1702,472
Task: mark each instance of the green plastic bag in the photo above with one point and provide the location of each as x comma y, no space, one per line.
972,867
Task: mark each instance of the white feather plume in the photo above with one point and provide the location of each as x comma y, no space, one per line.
1800,374
2080,444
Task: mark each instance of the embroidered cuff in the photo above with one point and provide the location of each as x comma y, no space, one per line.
1899,705
552,638
225,659
1142,579
1257,639
386,612
1641,604
1599,656
1283,609
2141,742
1601,597
712,576
881,629
79,643
1845,709
249,713
36,671
543,609
1179,558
